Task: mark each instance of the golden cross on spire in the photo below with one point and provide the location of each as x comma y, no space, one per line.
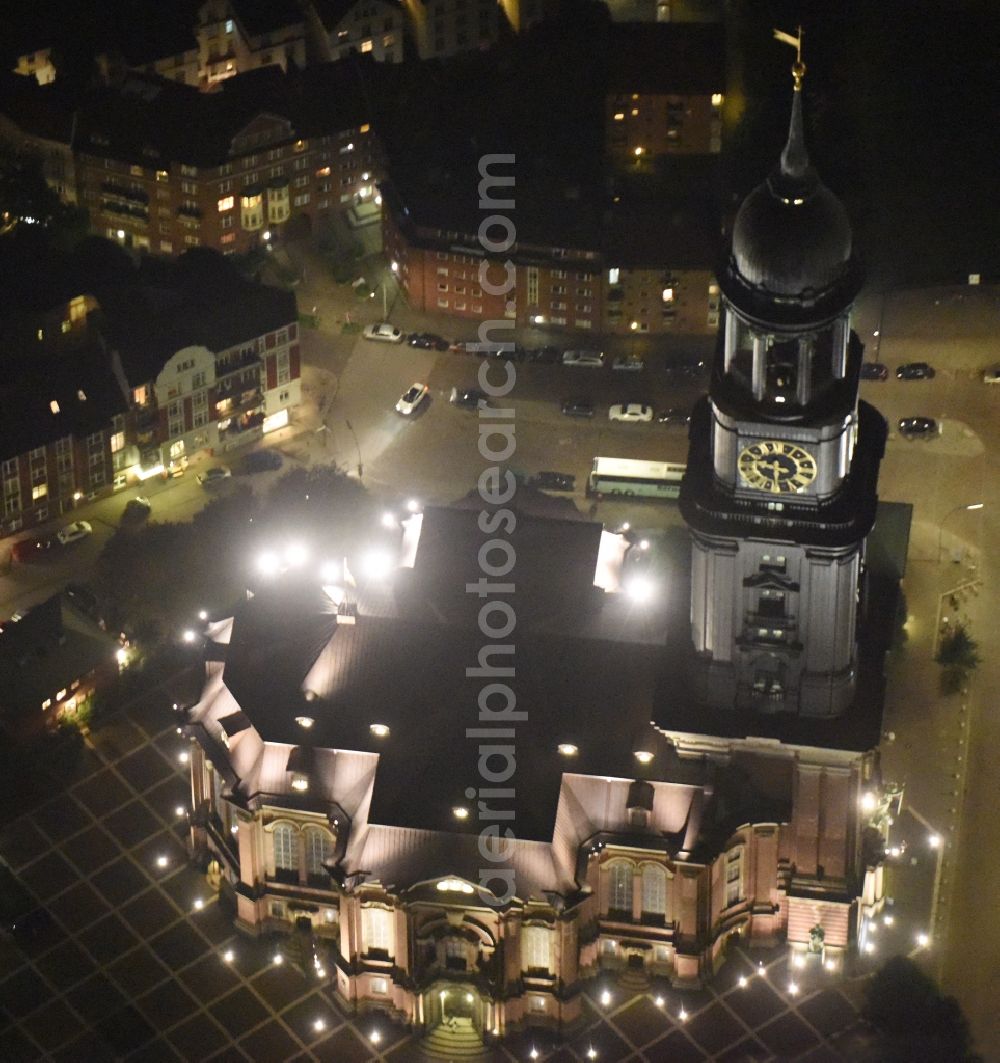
798,67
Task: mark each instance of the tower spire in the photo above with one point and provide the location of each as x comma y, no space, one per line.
795,158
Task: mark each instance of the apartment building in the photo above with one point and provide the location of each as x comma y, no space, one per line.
665,93
368,27
447,27
164,168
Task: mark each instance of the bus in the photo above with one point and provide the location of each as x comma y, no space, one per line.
641,479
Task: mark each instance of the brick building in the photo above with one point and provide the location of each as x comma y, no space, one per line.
164,168
644,270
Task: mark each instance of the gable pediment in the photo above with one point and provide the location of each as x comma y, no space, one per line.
263,130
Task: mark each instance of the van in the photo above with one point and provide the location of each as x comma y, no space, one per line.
593,359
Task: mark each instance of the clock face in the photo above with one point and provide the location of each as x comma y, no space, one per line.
776,466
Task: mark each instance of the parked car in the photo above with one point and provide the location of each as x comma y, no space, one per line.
74,532
578,408
214,475
82,598
674,415
411,399
465,347
428,341
263,461
27,550
631,412
468,398
589,358
628,364
384,332
552,481
874,371
543,355
915,371
992,376
136,511
918,427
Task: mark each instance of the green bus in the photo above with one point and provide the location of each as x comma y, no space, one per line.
634,478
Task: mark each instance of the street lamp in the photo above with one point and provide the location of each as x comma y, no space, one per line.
957,509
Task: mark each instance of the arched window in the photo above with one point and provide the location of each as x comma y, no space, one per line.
376,929
536,948
620,899
319,850
654,889
285,855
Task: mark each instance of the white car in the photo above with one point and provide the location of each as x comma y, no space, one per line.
628,364
592,359
632,412
72,533
384,332
412,398
992,375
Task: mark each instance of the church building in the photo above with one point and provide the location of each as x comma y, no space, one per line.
464,828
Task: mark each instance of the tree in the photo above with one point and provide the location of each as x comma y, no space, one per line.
916,1023
958,656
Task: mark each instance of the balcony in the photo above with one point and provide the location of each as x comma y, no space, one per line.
189,212
111,188
236,426
231,406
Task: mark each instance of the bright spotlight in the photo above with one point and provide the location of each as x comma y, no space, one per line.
388,520
202,614
277,959
330,571
934,841
377,564
412,506
296,554
923,940
640,589
868,801
121,655
605,998
188,635
643,544
268,564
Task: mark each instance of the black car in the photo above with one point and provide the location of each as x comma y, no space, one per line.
136,511
543,355
262,461
553,481
468,398
578,408
674,416
81,597
428,341
918,427
874,371
915,371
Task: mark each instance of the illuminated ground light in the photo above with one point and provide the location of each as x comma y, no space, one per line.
761,970
202,614
640,589
162,861
388,520
183,756
591,1053
277,959
319,1025
229,955
180,810
869,947
742,983
268,564
460,812
793,989
375,1037
798,960
412,506
188,635
868,802
605,998
682,1015
198,904
829,965
923,940
377,564
659,1002
888,920
934,841
533,1054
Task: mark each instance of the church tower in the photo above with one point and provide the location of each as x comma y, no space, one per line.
781,487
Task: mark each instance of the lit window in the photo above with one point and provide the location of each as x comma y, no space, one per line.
229,25
536,948
319,850
54,406
364,128
654,889
716,99
668,295
46,704
285,856
226,203
324,171
613,275
619,116
366,46
620,898
61,694
376,928
635,112
713,289
39,491
734,876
